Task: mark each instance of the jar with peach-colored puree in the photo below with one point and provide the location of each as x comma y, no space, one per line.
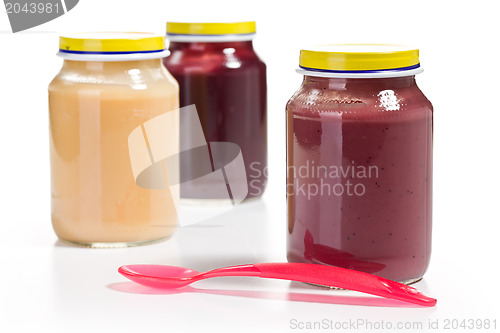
110,86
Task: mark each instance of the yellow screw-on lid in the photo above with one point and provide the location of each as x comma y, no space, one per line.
111,43
204,29
359,58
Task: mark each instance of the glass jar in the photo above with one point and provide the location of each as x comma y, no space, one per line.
109,86
219,72
359,159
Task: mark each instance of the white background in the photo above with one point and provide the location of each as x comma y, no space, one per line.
46,286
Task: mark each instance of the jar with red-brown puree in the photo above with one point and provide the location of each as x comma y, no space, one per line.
359,162
219,72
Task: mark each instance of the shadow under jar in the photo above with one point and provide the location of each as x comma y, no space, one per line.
359,162
219,72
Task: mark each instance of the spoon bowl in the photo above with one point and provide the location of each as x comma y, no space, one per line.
159,276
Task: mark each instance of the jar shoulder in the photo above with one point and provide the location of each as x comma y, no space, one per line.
188,61
133,79
367,99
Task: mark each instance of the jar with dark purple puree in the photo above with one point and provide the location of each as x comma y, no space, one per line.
219,72
359,159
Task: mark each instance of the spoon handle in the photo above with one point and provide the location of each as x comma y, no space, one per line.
343,278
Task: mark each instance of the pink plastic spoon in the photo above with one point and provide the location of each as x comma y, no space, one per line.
168,277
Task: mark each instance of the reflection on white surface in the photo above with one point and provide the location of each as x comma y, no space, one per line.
73,289
298,292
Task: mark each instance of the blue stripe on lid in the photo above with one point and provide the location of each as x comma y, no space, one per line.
400,69
212,35
115,52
